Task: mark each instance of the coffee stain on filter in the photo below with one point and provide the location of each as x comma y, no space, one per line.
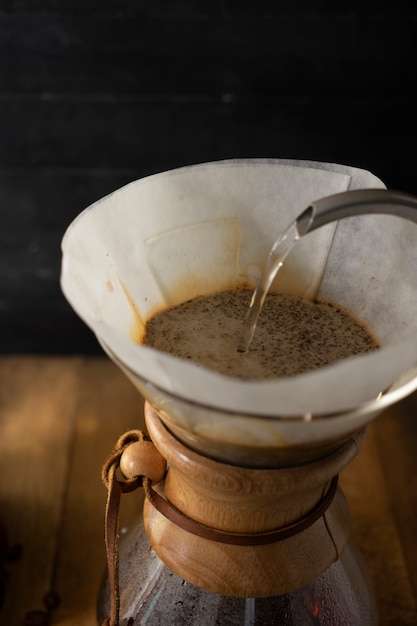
138,327
194,260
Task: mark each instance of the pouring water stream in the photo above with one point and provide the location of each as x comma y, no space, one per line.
277,255
320,213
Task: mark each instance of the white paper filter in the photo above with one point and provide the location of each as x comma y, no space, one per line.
169,237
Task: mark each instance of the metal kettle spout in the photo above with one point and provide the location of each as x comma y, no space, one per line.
353,203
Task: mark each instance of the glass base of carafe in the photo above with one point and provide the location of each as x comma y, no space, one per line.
152,595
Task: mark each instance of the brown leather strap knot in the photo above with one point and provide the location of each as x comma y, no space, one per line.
112,463
115,488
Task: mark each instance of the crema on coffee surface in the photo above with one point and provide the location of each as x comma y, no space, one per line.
292,336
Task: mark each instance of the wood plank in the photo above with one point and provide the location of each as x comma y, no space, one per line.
108,406
192,53
375,532
177,83
156,135
59,418
36,424
396,436
176,8
35,315
146,138
55,332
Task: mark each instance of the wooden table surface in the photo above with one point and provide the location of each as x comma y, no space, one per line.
60,417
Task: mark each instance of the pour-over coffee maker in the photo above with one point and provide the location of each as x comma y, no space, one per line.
244,522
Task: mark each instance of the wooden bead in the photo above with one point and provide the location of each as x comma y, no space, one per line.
141,458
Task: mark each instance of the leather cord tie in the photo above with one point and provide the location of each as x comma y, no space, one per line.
141,465
115,488
239,539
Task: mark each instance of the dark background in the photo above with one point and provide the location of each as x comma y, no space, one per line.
96,93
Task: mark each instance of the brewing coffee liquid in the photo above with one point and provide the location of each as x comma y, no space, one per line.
293,335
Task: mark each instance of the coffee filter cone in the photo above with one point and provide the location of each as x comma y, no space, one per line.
164,239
